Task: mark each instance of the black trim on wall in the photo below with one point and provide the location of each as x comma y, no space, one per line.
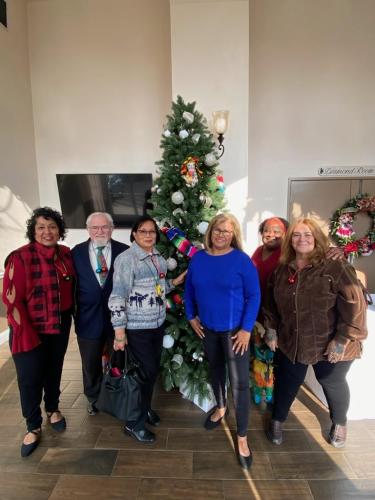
3,13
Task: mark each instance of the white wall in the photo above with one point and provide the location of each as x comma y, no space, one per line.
312,100
210,65
18,181
101,85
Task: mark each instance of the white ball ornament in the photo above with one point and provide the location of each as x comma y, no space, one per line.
167,133
177,197
196,138
168,341
195,355
188,117
171,264
200,359
183,134
202,197
158,191
178,359
202,227
210,159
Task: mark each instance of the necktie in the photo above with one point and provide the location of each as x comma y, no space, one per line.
102,265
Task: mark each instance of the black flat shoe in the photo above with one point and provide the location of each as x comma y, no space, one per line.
153,418
210,424
245,462
58,426
27,449
143,436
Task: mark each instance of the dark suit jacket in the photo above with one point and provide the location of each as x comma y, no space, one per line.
92,318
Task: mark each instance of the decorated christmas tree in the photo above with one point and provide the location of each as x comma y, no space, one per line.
187,193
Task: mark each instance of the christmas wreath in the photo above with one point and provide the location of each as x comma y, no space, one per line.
341,227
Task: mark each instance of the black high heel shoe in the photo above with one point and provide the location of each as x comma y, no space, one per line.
27,449
245,462
210,424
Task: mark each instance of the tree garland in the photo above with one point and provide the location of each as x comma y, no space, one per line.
341,227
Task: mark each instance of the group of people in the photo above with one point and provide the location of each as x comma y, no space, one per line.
310,302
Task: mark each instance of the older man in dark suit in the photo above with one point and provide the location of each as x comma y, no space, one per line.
93,261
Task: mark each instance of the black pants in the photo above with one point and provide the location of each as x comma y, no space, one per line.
219,352
332,377
146,345
91,351
40,369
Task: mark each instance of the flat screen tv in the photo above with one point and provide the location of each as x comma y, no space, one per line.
124,196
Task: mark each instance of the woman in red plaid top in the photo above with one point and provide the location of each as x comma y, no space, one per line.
38,293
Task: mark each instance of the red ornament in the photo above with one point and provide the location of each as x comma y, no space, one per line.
161,275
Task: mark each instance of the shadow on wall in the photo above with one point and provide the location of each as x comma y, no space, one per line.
13,215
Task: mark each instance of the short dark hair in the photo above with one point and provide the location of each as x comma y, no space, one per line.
140,222
262,224
47,213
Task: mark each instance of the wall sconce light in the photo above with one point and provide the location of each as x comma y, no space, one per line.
220,122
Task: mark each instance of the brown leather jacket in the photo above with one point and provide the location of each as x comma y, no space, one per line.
324,302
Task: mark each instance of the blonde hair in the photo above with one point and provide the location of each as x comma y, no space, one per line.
218,219
321,242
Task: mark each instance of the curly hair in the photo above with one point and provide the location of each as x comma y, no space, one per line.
263,224
321,242
218,219
49,214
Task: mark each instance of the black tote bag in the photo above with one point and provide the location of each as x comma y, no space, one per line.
121,396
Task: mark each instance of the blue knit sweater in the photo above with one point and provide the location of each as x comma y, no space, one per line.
223,290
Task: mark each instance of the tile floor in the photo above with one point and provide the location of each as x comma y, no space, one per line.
93,459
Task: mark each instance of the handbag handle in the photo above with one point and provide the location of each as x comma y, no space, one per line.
129,360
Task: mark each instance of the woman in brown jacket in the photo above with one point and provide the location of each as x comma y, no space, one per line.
315,314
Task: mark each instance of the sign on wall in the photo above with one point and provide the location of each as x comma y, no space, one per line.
346,171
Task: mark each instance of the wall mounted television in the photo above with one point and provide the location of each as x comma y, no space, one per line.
124,196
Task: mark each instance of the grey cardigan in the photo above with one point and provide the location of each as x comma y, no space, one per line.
134,302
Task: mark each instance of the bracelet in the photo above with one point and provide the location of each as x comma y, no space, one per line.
119,341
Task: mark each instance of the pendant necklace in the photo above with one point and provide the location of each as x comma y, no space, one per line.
159,275
292,278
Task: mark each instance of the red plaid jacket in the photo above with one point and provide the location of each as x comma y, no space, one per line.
31,293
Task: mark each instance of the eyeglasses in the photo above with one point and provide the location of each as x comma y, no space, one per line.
143,232
103,228
219,232
307,236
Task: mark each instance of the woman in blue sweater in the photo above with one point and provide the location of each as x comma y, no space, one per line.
221,302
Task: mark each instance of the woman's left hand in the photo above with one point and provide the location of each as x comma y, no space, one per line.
180,279
335,351
335,253
241,341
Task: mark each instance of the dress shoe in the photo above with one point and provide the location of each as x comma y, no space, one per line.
210,424
337,435
92,409
153,418
274,432
27,449
245,462
143,435
58,426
